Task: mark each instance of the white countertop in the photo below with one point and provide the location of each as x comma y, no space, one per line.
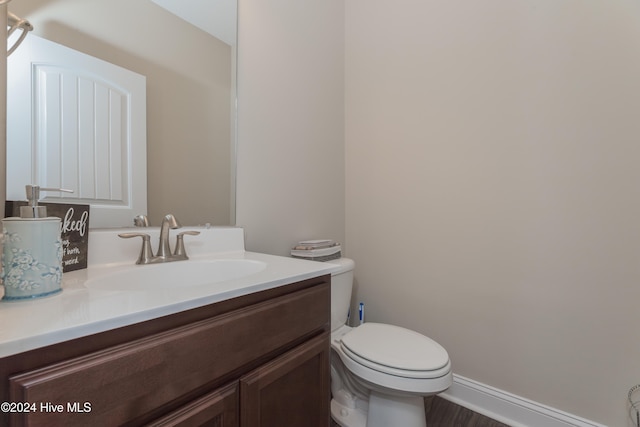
79,311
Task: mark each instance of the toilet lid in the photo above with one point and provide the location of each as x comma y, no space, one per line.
395,347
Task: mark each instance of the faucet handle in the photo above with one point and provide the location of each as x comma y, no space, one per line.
146,254
180,251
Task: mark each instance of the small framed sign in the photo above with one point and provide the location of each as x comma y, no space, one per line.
74,230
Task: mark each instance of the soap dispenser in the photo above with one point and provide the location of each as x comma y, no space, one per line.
32,251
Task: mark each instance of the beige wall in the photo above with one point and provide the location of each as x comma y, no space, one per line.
493,188
188,95
290,171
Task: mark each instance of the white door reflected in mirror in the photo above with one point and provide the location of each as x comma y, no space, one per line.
77,122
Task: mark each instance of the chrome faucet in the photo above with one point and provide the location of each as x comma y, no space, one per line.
163,254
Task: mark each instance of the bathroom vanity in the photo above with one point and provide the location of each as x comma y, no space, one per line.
253,355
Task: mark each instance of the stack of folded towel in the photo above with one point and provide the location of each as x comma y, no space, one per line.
317,250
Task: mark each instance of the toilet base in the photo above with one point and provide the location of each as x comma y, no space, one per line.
384,411
347,417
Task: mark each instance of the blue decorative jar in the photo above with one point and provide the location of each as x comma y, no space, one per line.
31,258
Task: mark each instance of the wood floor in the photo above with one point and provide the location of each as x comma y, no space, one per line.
442,413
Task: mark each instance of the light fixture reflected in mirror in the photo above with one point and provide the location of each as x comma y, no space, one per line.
14,23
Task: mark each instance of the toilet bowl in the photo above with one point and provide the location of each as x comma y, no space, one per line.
380,373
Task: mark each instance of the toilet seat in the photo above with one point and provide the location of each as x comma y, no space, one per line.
396,351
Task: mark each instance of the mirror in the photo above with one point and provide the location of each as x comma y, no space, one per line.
191,91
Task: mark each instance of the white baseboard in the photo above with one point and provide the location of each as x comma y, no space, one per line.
508,408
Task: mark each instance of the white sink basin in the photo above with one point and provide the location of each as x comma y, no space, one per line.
175,275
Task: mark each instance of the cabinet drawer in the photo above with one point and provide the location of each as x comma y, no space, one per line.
126,382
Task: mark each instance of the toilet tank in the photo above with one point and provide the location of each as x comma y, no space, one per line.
341,286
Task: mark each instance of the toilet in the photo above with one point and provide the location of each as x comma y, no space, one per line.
380,373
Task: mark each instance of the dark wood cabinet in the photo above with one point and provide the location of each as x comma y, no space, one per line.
258,360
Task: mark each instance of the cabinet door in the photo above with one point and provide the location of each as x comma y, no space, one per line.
292,390
216,409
